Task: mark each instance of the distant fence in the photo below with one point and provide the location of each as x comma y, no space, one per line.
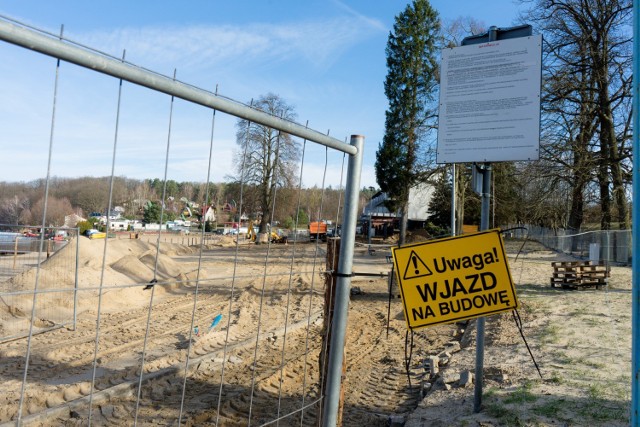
196,237
610,246
22,248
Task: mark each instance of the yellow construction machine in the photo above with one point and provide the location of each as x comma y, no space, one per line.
277,238
251,233
274,237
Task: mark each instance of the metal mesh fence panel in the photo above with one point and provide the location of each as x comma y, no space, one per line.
608,246
212,329
22,249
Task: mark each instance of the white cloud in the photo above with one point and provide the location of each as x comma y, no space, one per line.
374,23
318,43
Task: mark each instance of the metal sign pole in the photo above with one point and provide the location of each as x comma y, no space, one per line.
484,225
635,298
493,34
453,199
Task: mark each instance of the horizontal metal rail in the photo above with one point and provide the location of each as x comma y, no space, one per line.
59,48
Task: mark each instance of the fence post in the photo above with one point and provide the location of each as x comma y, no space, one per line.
15,252
609,257
343,274
75,286
333,258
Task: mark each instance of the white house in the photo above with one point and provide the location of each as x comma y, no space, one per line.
154,227
419,198
119,225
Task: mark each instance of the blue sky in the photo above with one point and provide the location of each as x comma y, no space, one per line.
326,58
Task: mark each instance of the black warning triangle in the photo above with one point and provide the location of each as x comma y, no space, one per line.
416,267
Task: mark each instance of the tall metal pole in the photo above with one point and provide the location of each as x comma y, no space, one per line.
453,199
484,225
343,272
75,285
635,299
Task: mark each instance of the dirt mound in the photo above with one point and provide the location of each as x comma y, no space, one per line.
173,249
167,267
417,236
132,267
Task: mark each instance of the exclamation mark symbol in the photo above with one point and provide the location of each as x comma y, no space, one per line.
495,252
415,264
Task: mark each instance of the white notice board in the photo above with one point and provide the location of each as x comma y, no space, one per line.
490,101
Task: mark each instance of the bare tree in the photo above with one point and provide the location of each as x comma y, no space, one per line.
267,158
57,209
588,70
12,208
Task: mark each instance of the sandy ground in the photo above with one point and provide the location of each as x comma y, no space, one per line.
272,326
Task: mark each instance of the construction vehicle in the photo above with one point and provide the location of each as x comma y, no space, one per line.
186,210
274,237
318,230
251,233
277,238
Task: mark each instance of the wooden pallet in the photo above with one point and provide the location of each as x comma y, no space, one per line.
579,274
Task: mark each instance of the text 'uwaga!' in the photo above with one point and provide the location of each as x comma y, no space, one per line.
455,278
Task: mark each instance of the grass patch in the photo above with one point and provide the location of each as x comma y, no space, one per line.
602,409
555,379
590,363
549,409
580,311
504,414
522,394
550,334
489,393
560,357
605,411
590,321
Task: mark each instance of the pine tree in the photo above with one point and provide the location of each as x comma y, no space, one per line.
409,87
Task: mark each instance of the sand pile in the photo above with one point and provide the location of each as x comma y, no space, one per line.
173,249
166,266
132,267
125,262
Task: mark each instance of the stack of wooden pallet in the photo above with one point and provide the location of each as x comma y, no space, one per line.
579,274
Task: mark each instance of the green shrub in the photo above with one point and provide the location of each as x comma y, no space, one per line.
84,226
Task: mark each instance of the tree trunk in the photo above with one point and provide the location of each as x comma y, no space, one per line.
605,198
576,214
579,184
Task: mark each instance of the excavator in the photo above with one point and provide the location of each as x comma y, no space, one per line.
277,238
251,233
273,236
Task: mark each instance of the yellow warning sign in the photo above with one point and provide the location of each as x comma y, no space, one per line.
452,279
